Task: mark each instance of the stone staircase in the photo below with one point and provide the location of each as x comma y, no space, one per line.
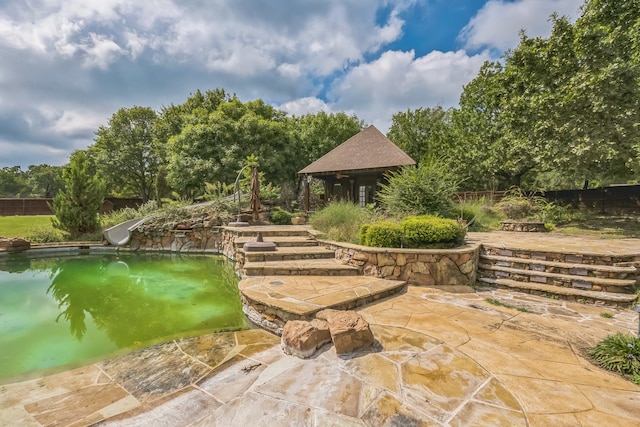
589,278
297,254
299,278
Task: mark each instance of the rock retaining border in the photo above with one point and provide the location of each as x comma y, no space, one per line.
421,267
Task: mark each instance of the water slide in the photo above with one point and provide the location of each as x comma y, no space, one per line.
119,234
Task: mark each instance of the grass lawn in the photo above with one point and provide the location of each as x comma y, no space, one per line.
603,226
22,226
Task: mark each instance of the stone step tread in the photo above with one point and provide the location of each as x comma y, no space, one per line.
565,277
278,240
290,253
272,231
594,267
558,290
585,251
330,266
306,295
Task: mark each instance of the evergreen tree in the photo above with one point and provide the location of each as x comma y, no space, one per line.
76,208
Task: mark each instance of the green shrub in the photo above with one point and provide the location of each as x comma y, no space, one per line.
427,189
362,234
341,221
554,213
516,204
46,235
619,353
425,231
384,234
516,208
280,217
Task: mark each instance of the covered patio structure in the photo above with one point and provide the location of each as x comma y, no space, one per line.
355,169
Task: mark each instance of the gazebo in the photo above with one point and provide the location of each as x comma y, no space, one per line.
354,169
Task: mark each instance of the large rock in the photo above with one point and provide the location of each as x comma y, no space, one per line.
302,339
349,331
15,244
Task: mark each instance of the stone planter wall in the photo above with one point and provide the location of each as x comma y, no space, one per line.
421,267
196,239
535,227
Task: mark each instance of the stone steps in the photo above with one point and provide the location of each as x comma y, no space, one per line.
304,267
607,299
290,253
559,279
559,255
592,270
593,278
280,241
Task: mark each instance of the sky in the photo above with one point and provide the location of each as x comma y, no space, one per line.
66,66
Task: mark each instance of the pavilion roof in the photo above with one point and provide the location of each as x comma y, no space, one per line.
369,149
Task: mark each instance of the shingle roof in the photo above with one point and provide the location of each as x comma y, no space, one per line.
369,149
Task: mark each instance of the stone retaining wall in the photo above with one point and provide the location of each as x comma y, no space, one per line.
533,227
199,238
421,267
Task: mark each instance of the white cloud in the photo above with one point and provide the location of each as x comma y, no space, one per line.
398,81
306,105
74,122
101,51
498,23
252,37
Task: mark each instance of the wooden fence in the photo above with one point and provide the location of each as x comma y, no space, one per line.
10,207
614,199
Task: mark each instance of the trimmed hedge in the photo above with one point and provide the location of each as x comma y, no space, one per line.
426,230
384,234
362,234
413,232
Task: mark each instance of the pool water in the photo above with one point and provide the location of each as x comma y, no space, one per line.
65,311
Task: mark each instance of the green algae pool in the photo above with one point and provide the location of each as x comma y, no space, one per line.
65,311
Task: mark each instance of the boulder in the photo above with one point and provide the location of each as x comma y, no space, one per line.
301,338
349,331
14,244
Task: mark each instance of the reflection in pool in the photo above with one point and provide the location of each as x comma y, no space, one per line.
71,310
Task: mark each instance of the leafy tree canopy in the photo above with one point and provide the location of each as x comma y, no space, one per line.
126,153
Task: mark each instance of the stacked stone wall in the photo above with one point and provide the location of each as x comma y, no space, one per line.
421,267
197,238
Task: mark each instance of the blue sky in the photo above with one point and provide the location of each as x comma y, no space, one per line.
68,65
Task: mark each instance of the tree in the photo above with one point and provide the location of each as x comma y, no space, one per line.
12,182
606,89
44,180
424,132
126,152
563,106
77,207
319,133
491,154
212,145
